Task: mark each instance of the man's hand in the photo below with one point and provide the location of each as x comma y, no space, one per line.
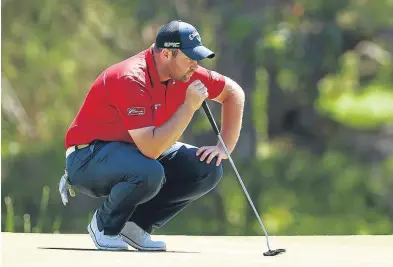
196,93
210,152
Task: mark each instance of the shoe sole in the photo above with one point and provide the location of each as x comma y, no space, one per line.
93,236
136,246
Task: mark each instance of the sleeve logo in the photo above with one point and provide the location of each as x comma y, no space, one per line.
136,111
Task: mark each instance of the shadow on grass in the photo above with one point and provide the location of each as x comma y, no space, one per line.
135,251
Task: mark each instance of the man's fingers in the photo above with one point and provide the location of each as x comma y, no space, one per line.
196,82
220,157
206,153
209,153
211,156
200,86
200,150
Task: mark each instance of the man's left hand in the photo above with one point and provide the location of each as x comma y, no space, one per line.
209,152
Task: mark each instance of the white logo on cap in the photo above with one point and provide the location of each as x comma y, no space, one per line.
172,44
193,35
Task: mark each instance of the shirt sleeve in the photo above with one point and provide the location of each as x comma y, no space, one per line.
133,103
214,81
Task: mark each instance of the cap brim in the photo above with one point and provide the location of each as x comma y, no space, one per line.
198,52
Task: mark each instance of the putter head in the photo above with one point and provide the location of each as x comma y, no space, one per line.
274,252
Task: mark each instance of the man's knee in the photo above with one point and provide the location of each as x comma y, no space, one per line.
151,176
212,173
208,173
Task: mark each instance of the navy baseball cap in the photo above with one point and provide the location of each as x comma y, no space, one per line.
181,35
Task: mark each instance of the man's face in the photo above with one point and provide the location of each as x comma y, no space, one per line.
181,67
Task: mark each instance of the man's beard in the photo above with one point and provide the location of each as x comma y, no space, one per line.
184,78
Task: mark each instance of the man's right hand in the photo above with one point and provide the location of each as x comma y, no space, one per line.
196,94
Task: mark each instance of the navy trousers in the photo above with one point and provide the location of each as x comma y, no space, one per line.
139,189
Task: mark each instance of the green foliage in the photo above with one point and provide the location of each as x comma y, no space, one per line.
343,98
259,99
9,227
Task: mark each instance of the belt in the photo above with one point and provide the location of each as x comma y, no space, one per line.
73,148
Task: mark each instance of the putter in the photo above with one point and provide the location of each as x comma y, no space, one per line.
209,115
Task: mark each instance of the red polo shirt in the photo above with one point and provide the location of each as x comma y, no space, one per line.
129,95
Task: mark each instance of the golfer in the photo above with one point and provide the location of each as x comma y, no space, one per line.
123,143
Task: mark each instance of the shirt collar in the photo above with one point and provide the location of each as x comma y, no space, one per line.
151,67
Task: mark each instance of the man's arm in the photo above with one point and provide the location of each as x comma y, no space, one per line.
152,141
232,99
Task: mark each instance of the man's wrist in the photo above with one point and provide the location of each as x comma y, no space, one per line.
188,107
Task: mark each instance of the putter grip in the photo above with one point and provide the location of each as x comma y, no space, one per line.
210,117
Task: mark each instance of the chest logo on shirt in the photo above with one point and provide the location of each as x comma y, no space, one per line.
136,111
156,106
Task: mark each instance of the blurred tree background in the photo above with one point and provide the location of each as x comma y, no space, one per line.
316,149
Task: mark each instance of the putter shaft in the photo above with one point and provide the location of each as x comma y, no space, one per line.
244,189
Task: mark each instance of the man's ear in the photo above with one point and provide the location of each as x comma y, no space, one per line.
166,53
